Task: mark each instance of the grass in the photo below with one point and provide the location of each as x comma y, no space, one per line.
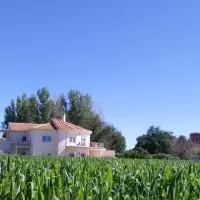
46,178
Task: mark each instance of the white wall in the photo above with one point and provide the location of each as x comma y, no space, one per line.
64,140
78,139
38,147
5,146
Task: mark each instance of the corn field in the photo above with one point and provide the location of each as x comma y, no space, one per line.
56,178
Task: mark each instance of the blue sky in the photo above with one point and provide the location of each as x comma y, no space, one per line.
140,60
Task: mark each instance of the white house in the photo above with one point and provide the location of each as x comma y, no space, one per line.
54,138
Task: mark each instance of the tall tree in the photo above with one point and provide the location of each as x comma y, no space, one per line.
112,139
81,111
36,108
155,140
44,104
58,107
22,109
33,109
10,114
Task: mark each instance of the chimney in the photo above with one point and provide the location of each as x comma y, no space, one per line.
64,117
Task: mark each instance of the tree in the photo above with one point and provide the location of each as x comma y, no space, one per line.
112,139
33,109
10,114
44,105
58,107
180,146
155,140
22,109
81,112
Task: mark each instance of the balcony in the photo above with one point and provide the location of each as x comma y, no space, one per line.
96,145
21,143
81,144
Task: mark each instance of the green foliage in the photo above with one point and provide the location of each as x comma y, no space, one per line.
59,178
44,105
137,154
35,109
58,107
112,139
143,154
80,108
164,156
22,110
155,141
10,113
81,111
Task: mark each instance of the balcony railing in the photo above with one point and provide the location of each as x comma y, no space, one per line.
82,144
21,143
96,145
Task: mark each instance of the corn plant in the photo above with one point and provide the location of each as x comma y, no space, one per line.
62,178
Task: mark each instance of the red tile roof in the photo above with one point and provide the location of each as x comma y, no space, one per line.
20,126
46,126
59,124
53,124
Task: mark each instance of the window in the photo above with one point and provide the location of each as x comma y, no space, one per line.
24,138
83,141
72,139
43,138
46,138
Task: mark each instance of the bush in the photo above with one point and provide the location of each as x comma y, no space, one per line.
140,154
143,154
119,155
164,156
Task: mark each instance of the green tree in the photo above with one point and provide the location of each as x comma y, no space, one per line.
10,114
112,139
22,109
58,107
155,140
44,105
81,111
33,109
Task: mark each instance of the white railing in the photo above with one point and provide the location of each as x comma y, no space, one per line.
82,144
96,145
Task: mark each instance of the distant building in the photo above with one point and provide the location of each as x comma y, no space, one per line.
195,140
54,138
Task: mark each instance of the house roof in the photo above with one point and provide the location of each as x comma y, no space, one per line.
54,124
20,126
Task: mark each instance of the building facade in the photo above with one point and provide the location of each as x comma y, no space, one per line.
195,141
54,138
